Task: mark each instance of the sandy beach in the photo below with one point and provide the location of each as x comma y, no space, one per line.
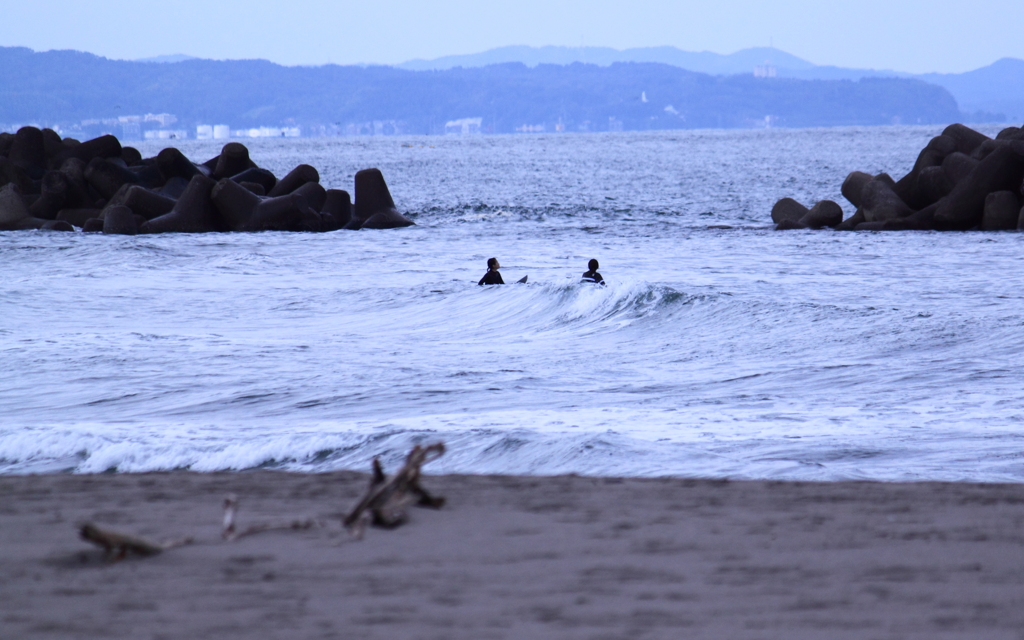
516,557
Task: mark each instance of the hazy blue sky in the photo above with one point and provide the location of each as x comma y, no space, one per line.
919,36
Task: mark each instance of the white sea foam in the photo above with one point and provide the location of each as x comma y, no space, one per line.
595,442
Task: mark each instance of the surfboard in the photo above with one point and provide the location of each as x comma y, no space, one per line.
522,280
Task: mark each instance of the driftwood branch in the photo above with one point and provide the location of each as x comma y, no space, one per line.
118,545
386,500
231,532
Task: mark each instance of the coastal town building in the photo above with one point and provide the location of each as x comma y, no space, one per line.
463,126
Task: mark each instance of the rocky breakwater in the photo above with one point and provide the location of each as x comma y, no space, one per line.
47,182
962,180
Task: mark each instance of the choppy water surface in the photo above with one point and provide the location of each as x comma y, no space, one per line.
737,352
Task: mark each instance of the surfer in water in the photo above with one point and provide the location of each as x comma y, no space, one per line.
592,275
492,276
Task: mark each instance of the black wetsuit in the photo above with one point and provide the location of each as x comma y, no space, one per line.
491,277
593,276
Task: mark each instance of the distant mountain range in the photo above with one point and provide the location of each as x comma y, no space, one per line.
87,95
992,92
704,62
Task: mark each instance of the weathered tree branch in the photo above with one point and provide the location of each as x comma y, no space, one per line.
386,500
122,544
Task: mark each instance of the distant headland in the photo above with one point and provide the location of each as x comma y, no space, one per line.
85,96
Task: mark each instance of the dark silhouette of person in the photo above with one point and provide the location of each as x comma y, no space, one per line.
593,275
492,276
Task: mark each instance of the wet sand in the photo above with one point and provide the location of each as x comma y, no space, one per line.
517,557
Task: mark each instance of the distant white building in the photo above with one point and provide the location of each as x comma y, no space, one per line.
213,132
766,70
164,119
464,126
268,132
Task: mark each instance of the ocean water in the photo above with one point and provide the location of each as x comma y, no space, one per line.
719,348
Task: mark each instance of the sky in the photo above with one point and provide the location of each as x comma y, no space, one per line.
918,37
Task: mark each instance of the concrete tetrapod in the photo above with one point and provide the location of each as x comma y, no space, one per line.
106,146
14,214
298,176
853,186
11,173
260,176
965,138
119,220
851,223
234,202
314,194
880,202
958,166
920,220
107,178
80,194
1001,170
986,148
338,206
242,210
909,187
233,159
131,156
143,202
192,213
788,210
174,188
1011,133
92,225
148,174
54,195
173,164
823,214
284,213
28,151
254,187
931,184
52,144
374,206
1002,208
